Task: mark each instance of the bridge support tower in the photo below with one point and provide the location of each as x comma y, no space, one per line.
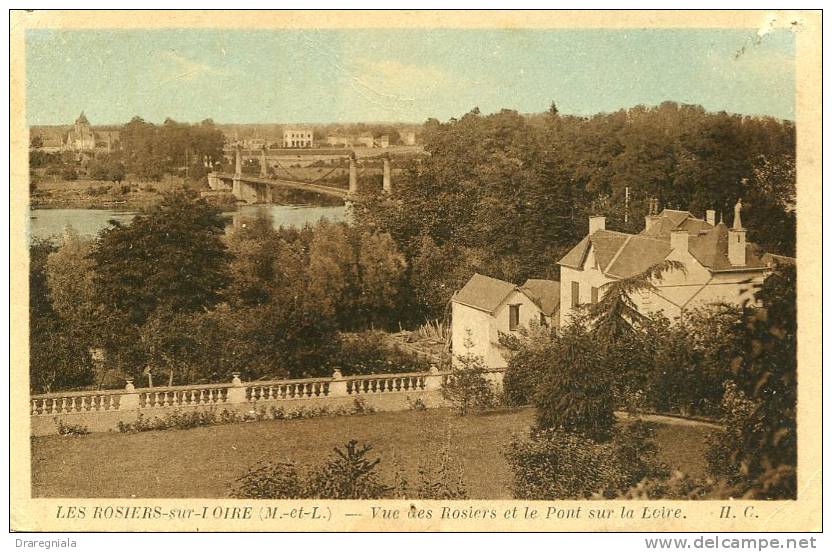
353,175
387,184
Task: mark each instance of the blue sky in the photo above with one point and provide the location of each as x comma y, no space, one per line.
237,76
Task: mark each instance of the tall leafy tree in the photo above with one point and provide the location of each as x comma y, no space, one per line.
170,258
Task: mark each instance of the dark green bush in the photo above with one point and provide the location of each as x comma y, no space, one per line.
575,393
71,429
554,464
467,388
370,352
349,475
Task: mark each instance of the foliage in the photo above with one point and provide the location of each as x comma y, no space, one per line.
554,464
178,419
527,362
615,315
71,429
467,388
170,258
350,474
691,360
57,355
575,394
758,450
370,352
507,195
438,480
151,150
271,480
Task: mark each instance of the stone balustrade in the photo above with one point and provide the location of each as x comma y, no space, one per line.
103,410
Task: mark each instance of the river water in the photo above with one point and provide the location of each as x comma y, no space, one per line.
50,223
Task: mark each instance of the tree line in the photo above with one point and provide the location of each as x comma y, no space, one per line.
170,295
507,195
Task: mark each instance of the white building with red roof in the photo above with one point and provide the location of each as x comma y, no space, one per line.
720,264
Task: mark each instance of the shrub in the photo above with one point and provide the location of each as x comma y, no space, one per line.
691,360
417,405
349,475
69,173
757,453
466,388
177,420
554,464
360,406
526,364
71,429
369,352
439,481
271,481
575,393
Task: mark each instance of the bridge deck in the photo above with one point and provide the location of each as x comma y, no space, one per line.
306,186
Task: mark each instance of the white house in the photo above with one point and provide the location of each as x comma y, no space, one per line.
720,265
485,306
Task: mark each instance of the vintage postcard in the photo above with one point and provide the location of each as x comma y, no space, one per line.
415,271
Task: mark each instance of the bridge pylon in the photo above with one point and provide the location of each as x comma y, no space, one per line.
353,175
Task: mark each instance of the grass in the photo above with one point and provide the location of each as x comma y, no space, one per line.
205,462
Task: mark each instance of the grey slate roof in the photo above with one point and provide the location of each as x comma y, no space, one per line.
483,292
622,255
544,293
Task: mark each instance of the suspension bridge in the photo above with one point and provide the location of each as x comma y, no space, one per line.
259,189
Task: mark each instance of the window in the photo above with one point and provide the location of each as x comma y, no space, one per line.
594,292
576,291
513,317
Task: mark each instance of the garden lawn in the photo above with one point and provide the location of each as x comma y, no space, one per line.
205,462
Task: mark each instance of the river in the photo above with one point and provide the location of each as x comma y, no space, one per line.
49,223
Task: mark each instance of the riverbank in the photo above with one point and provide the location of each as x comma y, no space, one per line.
136,195
129,195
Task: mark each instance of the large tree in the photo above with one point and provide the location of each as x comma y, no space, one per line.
170,258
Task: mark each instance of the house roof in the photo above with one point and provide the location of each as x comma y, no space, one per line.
638,254
483,292
711,250
669,220
623,255
575,257
770,259
545,294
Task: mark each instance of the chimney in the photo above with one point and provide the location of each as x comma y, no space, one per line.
710,217
679,240
652,213
597,223
736,239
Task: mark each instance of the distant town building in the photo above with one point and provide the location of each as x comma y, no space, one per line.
486,307
298,138
408,137
720,265
338,141
366,140
384,141
82,137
